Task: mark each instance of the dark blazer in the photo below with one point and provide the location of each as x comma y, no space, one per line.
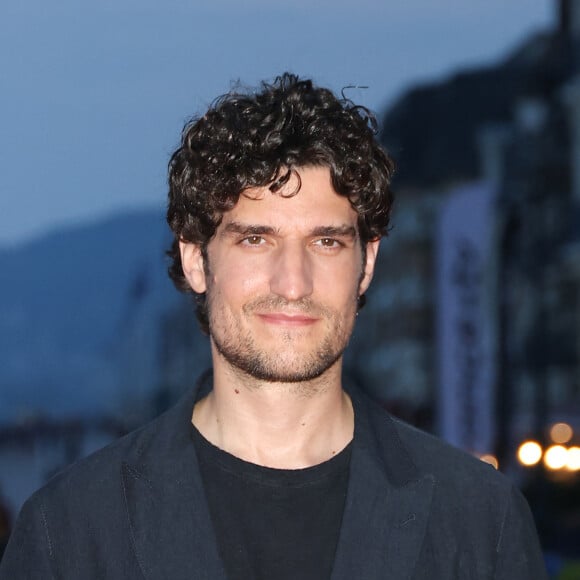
416,509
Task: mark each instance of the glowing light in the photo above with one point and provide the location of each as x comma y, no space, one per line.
556,457
573,459
561,433
529,453
491,459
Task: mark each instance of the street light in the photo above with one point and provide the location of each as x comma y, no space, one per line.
573,459
529,453
556,457
561,433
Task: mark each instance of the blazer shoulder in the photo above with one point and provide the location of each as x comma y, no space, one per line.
457,469
102,468
400,443
93,474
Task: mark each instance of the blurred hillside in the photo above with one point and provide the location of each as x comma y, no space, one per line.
81,315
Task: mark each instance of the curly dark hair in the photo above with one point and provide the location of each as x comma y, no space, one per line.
258,139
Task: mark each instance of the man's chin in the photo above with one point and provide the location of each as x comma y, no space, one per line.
278,369
290,359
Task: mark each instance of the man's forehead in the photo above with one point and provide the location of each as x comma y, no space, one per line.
289,181
307,187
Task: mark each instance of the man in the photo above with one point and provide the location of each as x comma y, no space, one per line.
270,469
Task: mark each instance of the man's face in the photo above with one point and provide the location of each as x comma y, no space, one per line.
282,278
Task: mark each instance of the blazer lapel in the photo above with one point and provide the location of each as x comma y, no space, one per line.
387,505
168,514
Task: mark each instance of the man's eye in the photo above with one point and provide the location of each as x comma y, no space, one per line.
253,240
328,243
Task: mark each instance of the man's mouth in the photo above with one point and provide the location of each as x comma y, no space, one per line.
287,319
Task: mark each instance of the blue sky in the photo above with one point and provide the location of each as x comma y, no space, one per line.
93,95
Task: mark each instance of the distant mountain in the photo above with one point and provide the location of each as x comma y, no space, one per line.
82,313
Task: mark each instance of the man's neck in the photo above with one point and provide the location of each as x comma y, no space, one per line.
279,425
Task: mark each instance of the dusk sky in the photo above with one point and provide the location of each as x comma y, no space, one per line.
93,95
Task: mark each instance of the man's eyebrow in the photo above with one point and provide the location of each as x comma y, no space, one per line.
344,231
248,229
244,229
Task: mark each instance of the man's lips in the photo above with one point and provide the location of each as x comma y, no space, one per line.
285,319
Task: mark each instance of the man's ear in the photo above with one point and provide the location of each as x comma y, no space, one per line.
369,266
192,263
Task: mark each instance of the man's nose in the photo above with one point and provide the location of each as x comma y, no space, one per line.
291,275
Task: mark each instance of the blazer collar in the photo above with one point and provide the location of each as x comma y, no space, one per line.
170,521
388,501
384,521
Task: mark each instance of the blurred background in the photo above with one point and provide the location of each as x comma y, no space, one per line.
472,327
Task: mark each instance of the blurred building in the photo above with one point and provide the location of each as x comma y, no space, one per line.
162,353
508,135
472,328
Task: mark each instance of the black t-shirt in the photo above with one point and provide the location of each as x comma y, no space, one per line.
274,524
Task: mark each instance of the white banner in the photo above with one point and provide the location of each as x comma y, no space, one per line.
465,324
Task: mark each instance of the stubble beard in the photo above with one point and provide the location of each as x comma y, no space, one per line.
282,364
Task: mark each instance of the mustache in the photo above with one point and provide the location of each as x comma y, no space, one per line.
269,304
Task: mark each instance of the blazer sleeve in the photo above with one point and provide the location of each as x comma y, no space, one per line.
519,556
28,553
